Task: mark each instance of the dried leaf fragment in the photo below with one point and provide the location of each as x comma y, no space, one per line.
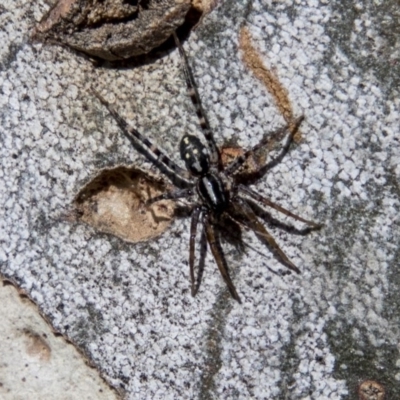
112,29
113,202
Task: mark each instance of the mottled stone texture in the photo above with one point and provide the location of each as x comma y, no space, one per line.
316,336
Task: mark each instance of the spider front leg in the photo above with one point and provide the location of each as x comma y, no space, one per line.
215,245
194,95
144,146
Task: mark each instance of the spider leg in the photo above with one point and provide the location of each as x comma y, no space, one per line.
179,176
193,230
263,200
218,254
194,95
202,260
244,213
239,161
172,195
195,284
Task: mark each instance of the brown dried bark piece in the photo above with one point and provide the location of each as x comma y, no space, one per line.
112,29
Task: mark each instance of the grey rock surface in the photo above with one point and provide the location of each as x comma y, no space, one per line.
36,363
313,336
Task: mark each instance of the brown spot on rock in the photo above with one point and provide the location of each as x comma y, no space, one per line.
371,390
36,346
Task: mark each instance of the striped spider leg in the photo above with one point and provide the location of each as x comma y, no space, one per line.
214,191
177,175
215,157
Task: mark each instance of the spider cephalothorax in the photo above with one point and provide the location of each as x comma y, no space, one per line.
221,195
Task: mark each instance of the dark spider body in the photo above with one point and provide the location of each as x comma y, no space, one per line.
221,195
213,193
210,187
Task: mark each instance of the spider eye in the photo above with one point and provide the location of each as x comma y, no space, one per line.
195,155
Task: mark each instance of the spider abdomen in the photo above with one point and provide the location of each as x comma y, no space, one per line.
213,193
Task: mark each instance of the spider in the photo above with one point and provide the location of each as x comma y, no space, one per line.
217,189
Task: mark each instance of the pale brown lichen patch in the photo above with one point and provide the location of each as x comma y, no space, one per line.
36,346
371,390
114,202
268,77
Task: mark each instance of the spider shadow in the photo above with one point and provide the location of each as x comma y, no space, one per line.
228,231
266,238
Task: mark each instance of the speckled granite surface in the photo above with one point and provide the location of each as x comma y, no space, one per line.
313,336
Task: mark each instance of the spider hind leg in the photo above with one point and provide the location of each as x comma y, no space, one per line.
192,241
266,202
215,245
243,213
